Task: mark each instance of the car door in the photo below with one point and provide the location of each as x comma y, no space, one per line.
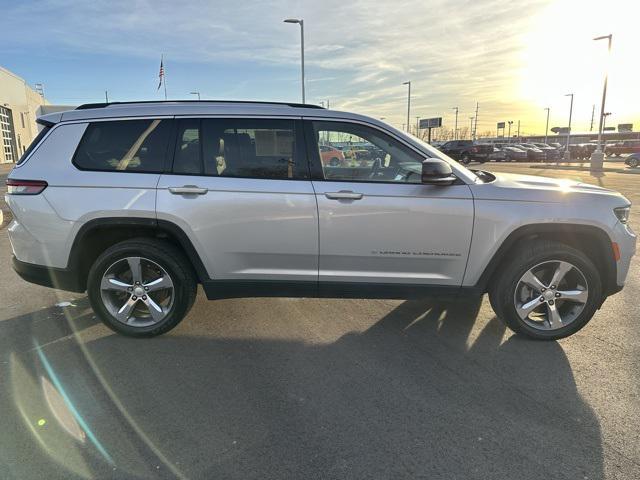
240,189
377,221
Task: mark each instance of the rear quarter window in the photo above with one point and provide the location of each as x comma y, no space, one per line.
33,145
124,146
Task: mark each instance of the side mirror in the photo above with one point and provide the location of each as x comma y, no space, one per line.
437,172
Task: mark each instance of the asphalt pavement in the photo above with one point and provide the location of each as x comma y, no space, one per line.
317,388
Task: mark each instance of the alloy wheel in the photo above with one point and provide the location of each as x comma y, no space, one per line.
551,295
137,291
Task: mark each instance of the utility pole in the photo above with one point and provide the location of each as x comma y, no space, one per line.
597,157
301,23
567,153
593,114
455,131
518,130
408,103
475,129
106,96
471,128
546,130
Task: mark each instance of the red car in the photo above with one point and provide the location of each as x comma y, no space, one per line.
331,156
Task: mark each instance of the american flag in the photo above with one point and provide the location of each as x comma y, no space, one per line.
161,74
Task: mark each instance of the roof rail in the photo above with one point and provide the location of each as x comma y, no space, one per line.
87,106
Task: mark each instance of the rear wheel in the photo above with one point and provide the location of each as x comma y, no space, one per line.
466,159
548,291
142,287
334,162
633,162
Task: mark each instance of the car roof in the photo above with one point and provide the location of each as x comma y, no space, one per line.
96,111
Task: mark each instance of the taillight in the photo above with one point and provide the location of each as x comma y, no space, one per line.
25,187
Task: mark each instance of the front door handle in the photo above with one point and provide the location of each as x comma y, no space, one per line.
188,190
343,195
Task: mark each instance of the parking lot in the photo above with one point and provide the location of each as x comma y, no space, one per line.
317,388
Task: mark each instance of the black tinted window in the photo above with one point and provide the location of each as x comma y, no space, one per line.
250,148
124,145
34,144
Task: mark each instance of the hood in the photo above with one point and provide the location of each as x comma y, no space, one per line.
529,188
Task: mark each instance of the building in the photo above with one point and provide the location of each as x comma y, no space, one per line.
19,107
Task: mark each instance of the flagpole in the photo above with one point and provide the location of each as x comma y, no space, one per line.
164,77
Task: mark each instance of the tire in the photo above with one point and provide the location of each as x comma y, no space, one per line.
154,257
538,255
633,162
466,159
334,162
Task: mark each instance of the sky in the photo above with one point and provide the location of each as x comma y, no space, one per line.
512,57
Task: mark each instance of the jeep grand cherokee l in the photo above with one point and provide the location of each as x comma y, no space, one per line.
137,203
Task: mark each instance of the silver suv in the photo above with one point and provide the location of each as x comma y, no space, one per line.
137,203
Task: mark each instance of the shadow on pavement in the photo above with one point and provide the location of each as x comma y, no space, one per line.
414,396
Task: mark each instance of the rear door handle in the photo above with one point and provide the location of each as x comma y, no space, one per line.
343,195
188,190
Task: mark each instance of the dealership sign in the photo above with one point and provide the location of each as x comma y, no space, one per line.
431,122
625,127
500,125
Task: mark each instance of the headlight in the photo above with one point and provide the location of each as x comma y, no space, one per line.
622,213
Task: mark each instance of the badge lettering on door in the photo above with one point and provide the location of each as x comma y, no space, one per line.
415,254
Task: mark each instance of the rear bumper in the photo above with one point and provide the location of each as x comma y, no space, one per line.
60,278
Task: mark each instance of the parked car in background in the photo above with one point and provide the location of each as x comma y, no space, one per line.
515,154
534,154
626,146
331,156
553,154
466,151
498,155
633,160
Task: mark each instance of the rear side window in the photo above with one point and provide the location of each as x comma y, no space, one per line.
34,144
124,145
244,148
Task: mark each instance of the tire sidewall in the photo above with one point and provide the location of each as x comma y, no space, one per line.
512,276
148,251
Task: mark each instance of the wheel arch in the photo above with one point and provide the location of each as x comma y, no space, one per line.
96,235
591,240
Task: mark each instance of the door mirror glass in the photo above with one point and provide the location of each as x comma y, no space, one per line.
437,172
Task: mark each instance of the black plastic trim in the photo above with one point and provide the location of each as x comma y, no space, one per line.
88,106
60,278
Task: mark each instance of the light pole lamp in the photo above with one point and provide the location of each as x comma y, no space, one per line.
597,157
196,93
546,129
301,23
455,130
567,152
408,84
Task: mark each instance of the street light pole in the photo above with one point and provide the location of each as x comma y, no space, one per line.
196,93
471,128
408,103
455,131
301,23
567,153
418,126
597,157
546,130
509,134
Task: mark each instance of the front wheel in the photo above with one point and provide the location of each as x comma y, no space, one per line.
142,287
466,159
547,291
633,162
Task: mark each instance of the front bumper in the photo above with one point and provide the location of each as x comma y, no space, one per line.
60,278
626,240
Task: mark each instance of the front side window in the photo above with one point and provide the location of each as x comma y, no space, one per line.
248,148
353,152
124,145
